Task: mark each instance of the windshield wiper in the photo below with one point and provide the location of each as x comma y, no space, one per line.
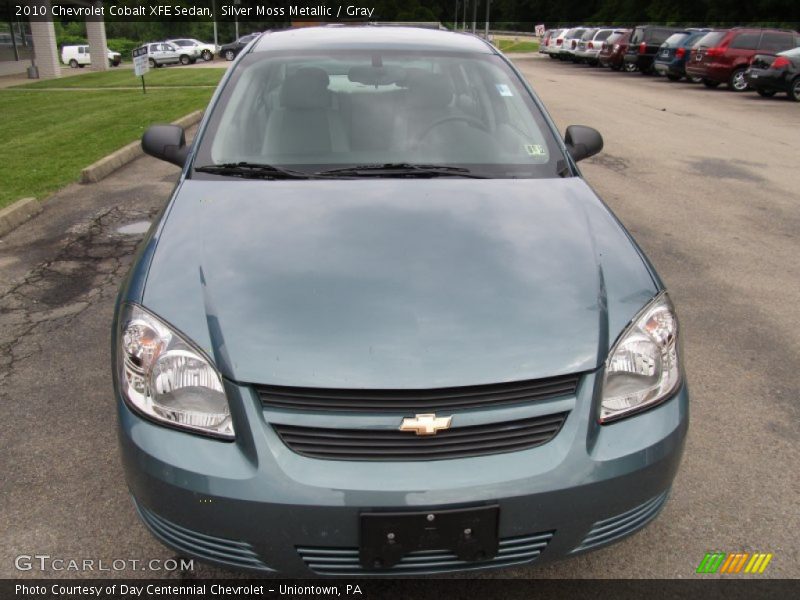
400,169
249,170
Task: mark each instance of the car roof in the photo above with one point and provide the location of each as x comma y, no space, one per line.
370,36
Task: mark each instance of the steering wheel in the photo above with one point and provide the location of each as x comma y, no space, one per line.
466,118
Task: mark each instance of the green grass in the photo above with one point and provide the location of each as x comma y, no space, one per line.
174,76
512,46
48,137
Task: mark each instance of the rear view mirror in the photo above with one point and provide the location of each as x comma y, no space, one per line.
582,142
167,142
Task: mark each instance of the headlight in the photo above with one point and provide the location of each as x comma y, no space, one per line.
642,368
166,378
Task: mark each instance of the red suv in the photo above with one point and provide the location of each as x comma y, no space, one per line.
723,56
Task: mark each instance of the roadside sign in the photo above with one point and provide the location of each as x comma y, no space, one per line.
539,30
140,63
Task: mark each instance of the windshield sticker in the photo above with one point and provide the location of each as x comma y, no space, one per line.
503,89
535,150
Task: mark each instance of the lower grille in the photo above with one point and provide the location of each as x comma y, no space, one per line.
611,529
193,543
391,444
344,561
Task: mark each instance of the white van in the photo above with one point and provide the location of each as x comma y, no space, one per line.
78,56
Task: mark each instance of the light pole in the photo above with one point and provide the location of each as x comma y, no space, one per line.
464,16
214,10
488,4
455,19
474,15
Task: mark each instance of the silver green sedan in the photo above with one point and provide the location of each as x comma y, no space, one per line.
384,327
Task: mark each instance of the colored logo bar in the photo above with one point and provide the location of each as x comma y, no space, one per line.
736,562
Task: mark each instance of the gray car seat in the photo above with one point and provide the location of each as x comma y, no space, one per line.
305,123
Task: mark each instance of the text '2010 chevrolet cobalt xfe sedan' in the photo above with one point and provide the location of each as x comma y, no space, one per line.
384,326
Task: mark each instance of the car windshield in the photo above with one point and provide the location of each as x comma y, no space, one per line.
320,111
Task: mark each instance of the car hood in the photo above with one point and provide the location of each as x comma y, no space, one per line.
395,283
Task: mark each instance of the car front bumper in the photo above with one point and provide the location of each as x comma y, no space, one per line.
254,504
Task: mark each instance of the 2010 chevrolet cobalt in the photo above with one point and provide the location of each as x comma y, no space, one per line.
383,325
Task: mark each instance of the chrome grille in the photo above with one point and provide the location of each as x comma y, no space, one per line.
193,543
391,444
344,561
611,529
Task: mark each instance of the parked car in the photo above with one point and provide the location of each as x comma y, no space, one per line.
674,52
613,50
545,40
555,42
570,45
723,57
769,74
78,56
164,53
644,44
401,317
196,48
590,45
231,51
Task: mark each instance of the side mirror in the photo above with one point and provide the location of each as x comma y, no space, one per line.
582,142
167,142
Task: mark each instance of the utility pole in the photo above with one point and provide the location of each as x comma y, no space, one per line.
455,20
488,4
474,16
216,38
464,16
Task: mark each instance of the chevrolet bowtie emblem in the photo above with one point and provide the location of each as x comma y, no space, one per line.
427,424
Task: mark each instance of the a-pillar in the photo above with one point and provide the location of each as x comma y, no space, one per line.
44,45
96,33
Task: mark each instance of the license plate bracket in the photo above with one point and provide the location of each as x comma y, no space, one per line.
386,537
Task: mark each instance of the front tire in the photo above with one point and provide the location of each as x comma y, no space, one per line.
765,93
229,55
630,67
207,55
737,82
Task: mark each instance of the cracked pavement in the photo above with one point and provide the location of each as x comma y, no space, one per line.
708,188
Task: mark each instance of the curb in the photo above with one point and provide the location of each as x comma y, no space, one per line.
108,164
16,214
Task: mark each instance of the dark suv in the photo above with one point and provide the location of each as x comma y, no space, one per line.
723,56
644,44
672,56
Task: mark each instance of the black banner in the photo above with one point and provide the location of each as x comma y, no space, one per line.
380,589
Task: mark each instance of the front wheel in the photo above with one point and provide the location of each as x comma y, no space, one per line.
185,60
794,90
630,67
765,93
737,82
710,84
230,55
207,55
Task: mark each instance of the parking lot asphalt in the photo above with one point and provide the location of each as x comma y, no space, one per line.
705,180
